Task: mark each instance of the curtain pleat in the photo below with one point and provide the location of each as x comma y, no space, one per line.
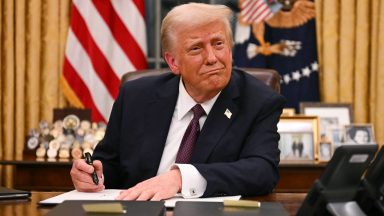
361,77
50,72
33,76
346,49
20,68
330,56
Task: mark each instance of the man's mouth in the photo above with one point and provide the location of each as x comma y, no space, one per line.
213,71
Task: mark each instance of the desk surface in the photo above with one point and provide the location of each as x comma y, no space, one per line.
290,201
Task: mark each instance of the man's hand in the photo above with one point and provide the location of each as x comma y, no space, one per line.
81,176
157,188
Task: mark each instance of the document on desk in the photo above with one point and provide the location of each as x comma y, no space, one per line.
110,194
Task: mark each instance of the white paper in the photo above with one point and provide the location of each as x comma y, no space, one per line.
111,194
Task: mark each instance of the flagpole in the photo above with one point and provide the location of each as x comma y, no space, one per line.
157,34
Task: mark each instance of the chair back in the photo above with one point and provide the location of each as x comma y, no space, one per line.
268,76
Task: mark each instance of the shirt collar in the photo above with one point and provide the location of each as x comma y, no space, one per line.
185,102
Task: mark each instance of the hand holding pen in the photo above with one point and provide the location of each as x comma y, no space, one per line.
84,177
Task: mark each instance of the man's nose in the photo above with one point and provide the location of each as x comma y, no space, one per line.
211,55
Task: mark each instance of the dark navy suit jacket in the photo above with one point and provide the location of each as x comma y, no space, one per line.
236,155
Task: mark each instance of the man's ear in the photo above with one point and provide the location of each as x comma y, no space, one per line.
171,61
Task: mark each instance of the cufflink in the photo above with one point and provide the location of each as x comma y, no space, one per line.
192,191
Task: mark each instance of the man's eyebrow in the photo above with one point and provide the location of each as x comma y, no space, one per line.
218,36
190,43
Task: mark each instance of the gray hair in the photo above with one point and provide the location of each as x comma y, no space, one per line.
191,15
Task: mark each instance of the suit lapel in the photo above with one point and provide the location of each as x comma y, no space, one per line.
158,118
217,123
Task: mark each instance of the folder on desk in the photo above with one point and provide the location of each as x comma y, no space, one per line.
218,209
9,193
137,208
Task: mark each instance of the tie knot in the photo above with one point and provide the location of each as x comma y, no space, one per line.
198,111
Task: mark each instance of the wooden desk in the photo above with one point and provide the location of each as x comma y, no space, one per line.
290,201
298,178
41,175
45,175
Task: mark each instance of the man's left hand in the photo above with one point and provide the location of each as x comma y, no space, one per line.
161,187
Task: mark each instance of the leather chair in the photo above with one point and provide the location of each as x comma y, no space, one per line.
269,76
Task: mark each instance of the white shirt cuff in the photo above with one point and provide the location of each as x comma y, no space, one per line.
193,184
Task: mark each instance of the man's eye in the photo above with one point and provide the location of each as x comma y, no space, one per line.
219,43
195,48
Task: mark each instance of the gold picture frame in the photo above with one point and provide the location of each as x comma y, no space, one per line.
299,137
288,112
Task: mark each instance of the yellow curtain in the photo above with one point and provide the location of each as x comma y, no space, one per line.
351,54
33,35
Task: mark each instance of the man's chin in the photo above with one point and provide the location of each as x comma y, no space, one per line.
217,83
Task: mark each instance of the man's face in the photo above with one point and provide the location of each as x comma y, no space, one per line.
361,137
203,58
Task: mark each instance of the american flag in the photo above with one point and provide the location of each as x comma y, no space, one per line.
255,11
105,40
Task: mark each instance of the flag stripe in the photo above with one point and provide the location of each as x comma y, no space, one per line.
139,5
100,63
121,34
133,22
265,15
248,8
81,62
258,12
255,11
103,37
106,39
79,86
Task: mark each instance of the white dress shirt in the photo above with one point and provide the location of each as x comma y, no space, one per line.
193,183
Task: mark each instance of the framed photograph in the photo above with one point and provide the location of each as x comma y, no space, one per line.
298,138
359,134
325,149
332,119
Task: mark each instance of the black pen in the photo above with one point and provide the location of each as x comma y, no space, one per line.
88,160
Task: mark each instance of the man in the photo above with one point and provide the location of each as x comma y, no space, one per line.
237,149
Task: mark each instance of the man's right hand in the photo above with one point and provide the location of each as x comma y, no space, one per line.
81,176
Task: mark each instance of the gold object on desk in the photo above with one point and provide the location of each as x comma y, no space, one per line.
242,203
103,208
